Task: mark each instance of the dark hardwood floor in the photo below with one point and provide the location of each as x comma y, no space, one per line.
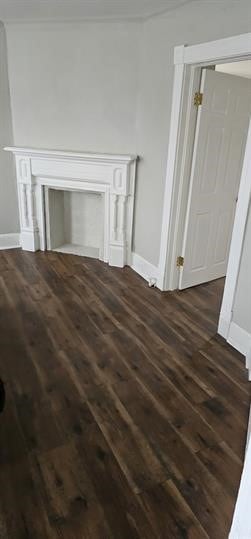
126,414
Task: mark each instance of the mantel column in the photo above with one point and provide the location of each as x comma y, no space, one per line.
29,236
118,202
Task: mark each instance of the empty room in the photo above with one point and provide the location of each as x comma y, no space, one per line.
125,269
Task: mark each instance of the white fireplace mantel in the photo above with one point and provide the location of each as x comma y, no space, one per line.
113,176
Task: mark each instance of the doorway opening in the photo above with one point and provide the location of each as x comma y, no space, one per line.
189,62
223,109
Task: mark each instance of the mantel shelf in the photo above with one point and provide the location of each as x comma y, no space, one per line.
82,156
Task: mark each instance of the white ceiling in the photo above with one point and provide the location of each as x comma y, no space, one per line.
25,10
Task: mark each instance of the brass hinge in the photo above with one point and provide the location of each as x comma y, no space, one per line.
198,98
180,262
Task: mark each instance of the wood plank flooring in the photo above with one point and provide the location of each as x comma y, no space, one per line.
126,414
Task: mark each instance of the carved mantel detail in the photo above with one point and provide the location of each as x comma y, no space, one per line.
113,176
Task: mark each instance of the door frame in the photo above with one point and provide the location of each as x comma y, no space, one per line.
186,239
236,247
188,62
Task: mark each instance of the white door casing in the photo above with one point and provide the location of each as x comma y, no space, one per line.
186,59
238,237
220,139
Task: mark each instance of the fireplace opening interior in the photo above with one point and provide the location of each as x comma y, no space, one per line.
74,222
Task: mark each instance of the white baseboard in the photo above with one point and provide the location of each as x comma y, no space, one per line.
9,241
148,271
224,325
240,339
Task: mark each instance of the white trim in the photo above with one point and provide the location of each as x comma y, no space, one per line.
108,174
9,241
224,324
248,359
148,271
239,338
171,160
184,57
220,50
249,429
237,241
83,156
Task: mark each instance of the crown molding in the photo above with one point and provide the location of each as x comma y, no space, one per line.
73,20
137,18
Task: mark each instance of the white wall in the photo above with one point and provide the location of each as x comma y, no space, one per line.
242,303
108,87
8,196
74,86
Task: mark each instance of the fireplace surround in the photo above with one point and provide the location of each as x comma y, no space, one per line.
110,176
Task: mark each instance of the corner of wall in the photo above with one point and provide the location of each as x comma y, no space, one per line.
9,241
145,269
240,339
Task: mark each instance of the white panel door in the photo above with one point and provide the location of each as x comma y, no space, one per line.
219,146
